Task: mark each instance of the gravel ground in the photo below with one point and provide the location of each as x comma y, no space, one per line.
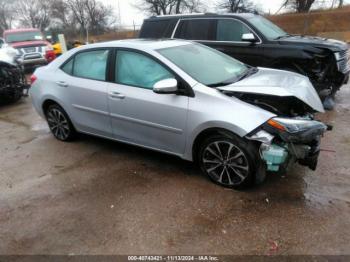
95,196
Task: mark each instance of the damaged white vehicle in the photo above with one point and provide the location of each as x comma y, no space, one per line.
184,99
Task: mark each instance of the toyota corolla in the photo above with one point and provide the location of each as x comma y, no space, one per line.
184,99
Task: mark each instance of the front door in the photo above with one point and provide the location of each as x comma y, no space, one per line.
139,115
228,39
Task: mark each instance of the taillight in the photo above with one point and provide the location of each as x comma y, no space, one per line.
49,53
33,78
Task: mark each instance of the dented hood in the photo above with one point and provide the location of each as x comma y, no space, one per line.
278,83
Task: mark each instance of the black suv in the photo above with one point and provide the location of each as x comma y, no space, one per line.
256,41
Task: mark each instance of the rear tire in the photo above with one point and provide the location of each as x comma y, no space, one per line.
229,160
59,123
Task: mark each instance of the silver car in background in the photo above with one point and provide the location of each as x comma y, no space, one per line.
185,99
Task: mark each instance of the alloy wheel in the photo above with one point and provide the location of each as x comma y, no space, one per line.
58,124
225,163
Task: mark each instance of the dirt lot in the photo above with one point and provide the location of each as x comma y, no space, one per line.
95,196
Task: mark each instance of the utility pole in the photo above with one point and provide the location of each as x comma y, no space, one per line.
119,14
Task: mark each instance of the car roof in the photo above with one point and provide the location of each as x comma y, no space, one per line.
141,44
21,30
201,15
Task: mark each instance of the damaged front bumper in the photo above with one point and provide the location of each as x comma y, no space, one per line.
286,140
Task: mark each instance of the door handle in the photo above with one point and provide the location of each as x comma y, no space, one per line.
62,83
117,95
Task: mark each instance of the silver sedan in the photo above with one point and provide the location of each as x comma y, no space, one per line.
184,99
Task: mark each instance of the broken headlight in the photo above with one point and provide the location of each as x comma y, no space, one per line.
295,129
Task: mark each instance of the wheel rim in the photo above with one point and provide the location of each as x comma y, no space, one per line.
58,124
225,163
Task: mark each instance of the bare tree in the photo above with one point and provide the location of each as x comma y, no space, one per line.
90,14
165,7
34,13
99,16
338,3
7,14
237,6
300,6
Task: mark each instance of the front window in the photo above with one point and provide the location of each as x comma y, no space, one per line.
267,28
135,69
206,65
231,30
24,36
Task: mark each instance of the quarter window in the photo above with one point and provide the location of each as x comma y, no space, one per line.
135,69
196,29
68,67
231,30
90,64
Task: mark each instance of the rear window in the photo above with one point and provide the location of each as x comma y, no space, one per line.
88,64
196,29
157,29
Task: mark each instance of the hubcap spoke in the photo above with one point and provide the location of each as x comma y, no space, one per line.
213,153
239,166
221,174
213,168
219,150
208,161
237,173
239,154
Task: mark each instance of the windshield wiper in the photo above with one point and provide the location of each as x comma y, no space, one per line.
250,71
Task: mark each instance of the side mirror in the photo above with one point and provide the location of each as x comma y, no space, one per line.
166,86
249,37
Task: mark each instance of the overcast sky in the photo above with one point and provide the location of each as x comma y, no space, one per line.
130,14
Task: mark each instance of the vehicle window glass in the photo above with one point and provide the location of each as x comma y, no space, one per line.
157,29
206,65
267,28
196,29
23,36
1,43
135,69
68,67
91,64
231,30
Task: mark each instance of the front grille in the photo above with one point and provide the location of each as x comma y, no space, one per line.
344,62
31,49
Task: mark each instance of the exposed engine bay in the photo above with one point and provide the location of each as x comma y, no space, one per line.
287,106
12,78
293,136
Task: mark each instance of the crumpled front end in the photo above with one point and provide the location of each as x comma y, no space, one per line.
288,140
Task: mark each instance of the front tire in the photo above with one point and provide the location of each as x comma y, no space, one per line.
229,161
59,123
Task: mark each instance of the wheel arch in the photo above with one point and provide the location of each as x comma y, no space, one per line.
48,102
204,134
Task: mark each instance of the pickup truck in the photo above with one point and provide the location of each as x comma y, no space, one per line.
33,49
256,41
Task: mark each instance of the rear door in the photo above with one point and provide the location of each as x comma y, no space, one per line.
85,87
139,115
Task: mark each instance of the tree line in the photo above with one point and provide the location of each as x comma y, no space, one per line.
165,7
69,16
74,17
